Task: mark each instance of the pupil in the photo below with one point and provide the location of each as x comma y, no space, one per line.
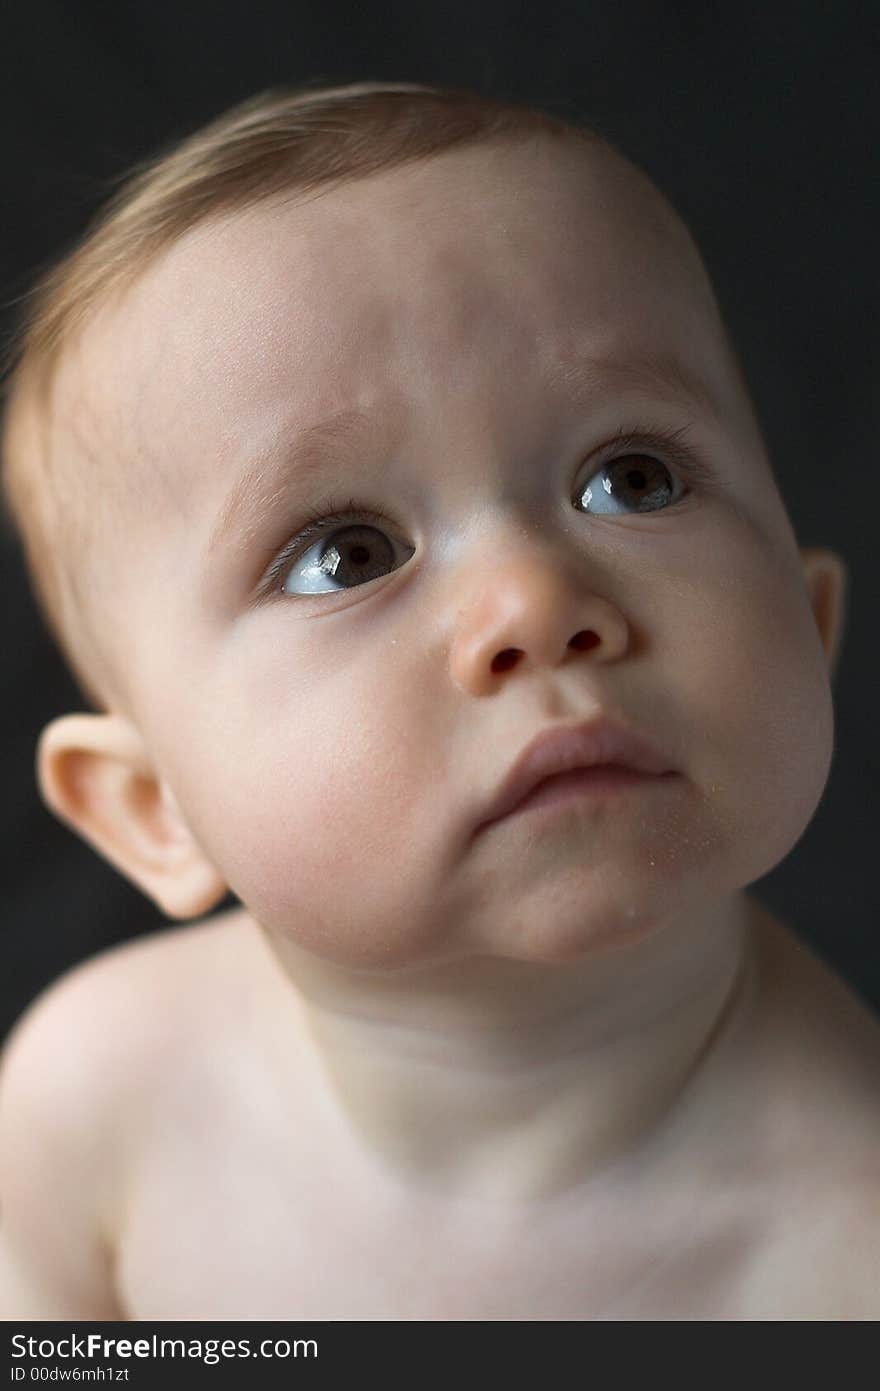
636,479
360,555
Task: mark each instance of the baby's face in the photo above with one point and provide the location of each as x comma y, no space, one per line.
477,329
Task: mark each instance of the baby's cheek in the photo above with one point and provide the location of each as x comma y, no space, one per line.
320,843
763,718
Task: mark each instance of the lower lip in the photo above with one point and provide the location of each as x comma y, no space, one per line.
604,780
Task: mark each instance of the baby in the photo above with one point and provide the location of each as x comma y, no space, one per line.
390,482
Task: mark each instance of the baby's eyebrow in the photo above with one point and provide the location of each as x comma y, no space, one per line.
282,465
252,495
586,378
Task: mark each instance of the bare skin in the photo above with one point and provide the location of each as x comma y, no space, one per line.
564,1069
240,1187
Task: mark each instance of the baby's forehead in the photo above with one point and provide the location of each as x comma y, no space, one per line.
467,268
457,236
474,215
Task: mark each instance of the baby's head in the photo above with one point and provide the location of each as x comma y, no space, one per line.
375,430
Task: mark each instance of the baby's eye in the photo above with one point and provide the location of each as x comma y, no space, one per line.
344,558
637,479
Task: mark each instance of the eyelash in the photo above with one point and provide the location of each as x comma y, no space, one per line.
656,440
325,516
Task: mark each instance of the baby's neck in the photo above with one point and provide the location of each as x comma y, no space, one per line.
499,1081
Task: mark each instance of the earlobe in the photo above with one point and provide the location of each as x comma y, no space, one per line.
827,580
94,773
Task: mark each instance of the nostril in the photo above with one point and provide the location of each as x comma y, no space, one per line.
506,659
584,640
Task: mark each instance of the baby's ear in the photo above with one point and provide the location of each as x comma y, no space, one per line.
94,773
827,579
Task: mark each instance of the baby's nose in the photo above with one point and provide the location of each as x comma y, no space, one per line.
532,614
583,641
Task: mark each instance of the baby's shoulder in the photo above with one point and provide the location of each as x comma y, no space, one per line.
815,1092
81,1069
109,1022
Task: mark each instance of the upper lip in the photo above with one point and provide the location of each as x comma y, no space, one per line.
563,748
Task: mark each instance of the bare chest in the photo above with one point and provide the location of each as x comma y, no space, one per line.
269,1223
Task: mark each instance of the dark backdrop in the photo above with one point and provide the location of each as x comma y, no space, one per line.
759,120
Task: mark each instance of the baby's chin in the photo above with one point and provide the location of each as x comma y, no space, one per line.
578,921
572,921
540,899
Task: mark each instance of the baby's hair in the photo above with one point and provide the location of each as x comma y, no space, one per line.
282,141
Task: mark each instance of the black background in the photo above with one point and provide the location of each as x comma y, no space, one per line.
760,121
